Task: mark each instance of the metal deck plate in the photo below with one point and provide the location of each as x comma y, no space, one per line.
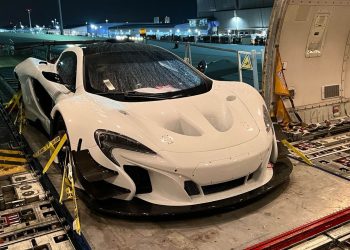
338,238
331,154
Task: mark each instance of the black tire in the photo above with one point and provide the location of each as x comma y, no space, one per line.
59,130
65,155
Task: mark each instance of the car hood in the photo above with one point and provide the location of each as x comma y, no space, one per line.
211,121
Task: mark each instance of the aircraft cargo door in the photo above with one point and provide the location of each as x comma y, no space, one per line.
346,69
313,41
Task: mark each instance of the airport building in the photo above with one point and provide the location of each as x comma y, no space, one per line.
233,17
133,29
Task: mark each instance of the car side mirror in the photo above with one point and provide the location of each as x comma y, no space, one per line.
69,87
202,66
53,77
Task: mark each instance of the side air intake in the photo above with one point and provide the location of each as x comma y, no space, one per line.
140,177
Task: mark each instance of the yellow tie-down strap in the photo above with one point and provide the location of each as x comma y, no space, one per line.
67,185
20,118
14,102
50,145
55,152
297,152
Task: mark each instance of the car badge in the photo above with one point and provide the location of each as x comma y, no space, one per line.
167,139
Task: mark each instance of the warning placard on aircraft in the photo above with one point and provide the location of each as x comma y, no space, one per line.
247,63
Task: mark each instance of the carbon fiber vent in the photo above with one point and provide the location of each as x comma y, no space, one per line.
140,177
191,188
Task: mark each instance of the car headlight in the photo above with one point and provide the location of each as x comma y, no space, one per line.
267,119
107,141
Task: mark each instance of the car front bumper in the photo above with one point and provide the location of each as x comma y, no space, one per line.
138,208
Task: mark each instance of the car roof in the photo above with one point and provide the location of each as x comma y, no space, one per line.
106,47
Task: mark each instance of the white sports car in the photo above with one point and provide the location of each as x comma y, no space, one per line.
150,134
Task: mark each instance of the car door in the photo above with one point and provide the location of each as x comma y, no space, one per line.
47,95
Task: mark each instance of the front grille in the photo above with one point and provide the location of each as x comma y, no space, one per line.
215,188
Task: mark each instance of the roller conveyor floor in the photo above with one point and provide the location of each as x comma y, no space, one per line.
30,215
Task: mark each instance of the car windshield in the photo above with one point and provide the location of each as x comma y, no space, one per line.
154,71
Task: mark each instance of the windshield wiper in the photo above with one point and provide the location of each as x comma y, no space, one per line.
141,95
157,96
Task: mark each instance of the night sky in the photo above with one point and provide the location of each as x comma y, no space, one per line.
93,11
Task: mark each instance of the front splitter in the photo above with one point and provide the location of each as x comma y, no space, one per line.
138,208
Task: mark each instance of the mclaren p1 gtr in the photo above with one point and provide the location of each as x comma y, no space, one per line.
150,134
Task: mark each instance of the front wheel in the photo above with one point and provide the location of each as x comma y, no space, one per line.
63,156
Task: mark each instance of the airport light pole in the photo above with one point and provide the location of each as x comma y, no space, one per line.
236,21
107,28
30,19
61,19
